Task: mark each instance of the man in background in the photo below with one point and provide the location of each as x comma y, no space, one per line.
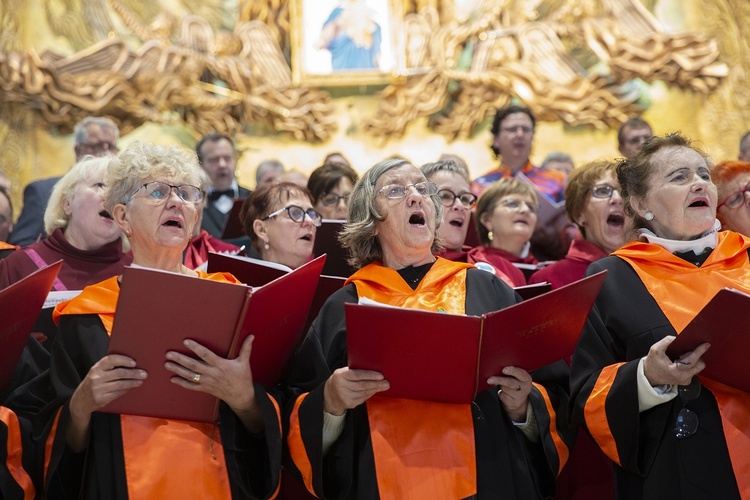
512,138
631,136
557,160
217,155
268,172
95,136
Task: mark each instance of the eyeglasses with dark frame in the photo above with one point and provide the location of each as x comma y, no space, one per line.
297,214
160,191
331,199
686,423
735,199
395,192
603,190
448,198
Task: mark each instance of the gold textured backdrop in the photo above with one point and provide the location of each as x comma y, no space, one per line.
31,148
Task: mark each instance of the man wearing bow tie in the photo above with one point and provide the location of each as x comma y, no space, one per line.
218,157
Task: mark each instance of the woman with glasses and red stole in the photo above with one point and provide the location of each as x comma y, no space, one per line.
458,201
505,220
347,441
151,193
671,432
732,179
281,223
594,204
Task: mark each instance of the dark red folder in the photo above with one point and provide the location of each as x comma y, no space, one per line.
20,304
534,290
448,358
327,242
721,324
233,226
157,311
254,272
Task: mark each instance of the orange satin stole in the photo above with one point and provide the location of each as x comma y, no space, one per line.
681,289
421,449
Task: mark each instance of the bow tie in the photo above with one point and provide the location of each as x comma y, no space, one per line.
216,194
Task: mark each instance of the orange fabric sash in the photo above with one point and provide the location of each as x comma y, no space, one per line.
14,453
667,278
151,445
421,449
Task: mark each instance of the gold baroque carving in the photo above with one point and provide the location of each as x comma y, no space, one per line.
515,56
457,74
211,83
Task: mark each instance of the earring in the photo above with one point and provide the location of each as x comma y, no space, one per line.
649,215
128,234
490,236
266,245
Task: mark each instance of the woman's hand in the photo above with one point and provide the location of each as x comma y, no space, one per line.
346,389
661,370
230,380
111,377
515,387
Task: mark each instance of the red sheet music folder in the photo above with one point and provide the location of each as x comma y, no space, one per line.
256,272
20,304
448,358
156,311
719,324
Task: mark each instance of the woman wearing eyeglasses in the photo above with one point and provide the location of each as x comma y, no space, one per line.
671,432
458,201
347,441
593,202
330,186
281,223
732,179
505,219
152,194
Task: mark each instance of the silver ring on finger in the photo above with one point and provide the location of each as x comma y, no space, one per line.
196,378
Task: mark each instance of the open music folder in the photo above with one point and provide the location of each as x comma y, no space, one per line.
719,324
448,358
20,304
327,242
158,310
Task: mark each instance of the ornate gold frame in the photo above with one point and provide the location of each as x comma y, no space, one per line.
301,48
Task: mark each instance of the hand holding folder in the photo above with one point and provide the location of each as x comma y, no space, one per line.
718,324
157,311
448,358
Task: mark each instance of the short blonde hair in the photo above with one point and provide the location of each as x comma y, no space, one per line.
65,189
142,161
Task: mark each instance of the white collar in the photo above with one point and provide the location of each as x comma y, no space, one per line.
707,240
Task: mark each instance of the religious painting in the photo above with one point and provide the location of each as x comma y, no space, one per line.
346,42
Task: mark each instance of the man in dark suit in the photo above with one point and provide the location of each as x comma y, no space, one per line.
94,136
218,157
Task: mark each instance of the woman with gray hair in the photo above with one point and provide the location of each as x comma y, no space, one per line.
152,194
347,441
81,233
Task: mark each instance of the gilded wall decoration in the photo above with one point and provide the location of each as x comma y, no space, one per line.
464,58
